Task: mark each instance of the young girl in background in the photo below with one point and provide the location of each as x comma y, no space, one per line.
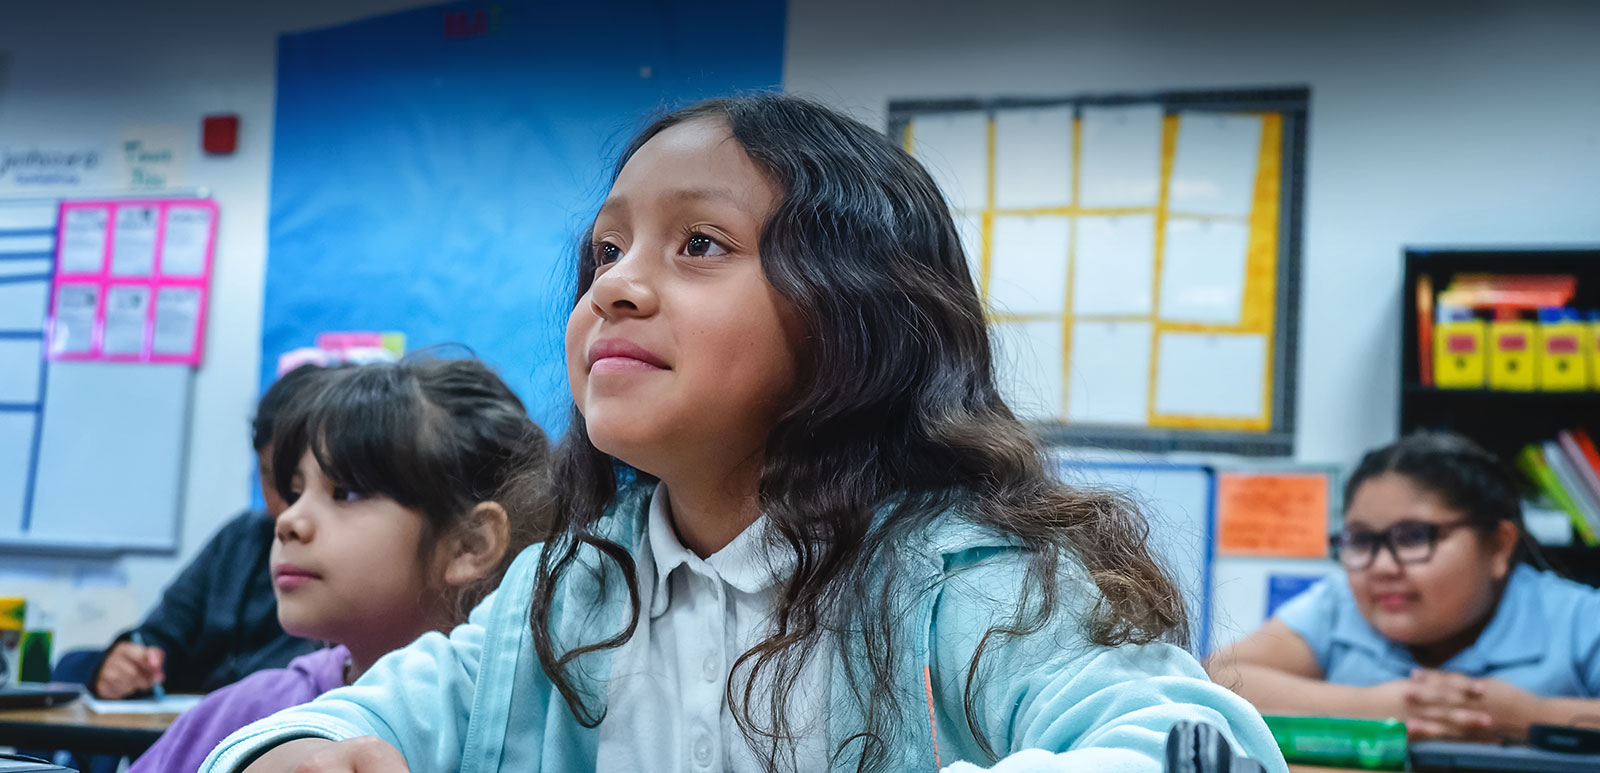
795,526
389,472
1434,621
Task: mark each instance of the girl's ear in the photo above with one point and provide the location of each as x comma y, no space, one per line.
1503,546
475,547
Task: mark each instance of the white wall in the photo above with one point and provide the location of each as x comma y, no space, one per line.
1431,123
1467,122
79,71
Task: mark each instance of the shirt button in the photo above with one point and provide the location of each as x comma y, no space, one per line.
702,750
708,669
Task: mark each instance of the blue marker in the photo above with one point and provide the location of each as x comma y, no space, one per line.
155,689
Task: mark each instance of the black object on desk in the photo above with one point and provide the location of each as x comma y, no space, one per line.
1464,757
1195,747
16,763
37,695
1572,740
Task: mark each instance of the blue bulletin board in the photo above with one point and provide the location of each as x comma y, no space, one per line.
432,168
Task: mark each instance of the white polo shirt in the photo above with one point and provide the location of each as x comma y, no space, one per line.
667,709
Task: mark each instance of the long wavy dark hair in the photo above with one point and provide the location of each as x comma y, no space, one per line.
896,416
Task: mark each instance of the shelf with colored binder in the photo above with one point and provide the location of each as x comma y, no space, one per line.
1503,346
1510,332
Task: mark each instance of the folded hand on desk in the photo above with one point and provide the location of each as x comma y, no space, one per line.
1439,704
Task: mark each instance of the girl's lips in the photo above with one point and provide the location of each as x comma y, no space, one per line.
288,582
1392,602
287,577
627,354
621,365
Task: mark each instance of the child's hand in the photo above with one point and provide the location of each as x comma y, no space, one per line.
366,754
1388,699
1440,704
1511,708
1446,705
130,668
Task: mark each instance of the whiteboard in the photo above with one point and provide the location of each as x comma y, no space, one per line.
1183,225
91,454
1240,591
1227,596
1178,500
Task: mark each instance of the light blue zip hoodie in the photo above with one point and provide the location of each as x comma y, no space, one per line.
478,702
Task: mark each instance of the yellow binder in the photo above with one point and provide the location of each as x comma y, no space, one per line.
1563,366
1511,356
1594,350
1458,354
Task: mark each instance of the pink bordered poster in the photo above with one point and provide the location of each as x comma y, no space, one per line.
132,280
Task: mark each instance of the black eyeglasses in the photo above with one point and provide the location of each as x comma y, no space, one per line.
1409,542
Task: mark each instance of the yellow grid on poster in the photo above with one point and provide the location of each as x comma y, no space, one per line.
1258,313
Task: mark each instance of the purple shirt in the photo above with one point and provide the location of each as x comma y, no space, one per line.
185,745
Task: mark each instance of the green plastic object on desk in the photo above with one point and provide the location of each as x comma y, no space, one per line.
1336,742
33,657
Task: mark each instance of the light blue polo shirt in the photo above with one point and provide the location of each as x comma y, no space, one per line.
1544,637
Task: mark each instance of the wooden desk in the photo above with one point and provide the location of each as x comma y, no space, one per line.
75,728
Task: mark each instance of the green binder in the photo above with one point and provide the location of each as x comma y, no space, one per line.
1372,744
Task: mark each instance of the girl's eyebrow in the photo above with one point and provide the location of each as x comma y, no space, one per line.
1407,516
613,205
620,204
709,194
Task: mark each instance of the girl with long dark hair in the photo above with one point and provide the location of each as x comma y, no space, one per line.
793,524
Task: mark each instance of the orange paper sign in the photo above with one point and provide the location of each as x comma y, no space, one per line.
1272,515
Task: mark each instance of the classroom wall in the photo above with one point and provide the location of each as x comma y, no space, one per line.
1466,122
78,71
1431,123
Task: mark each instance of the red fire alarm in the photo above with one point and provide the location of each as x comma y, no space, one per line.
220,133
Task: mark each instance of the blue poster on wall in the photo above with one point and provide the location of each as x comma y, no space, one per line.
432,168
1281,588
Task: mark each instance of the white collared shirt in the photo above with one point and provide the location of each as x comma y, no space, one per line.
667,707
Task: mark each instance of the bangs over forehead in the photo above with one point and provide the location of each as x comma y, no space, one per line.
364,427
436,436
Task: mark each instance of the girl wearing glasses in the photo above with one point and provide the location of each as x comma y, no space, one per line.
1435,620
